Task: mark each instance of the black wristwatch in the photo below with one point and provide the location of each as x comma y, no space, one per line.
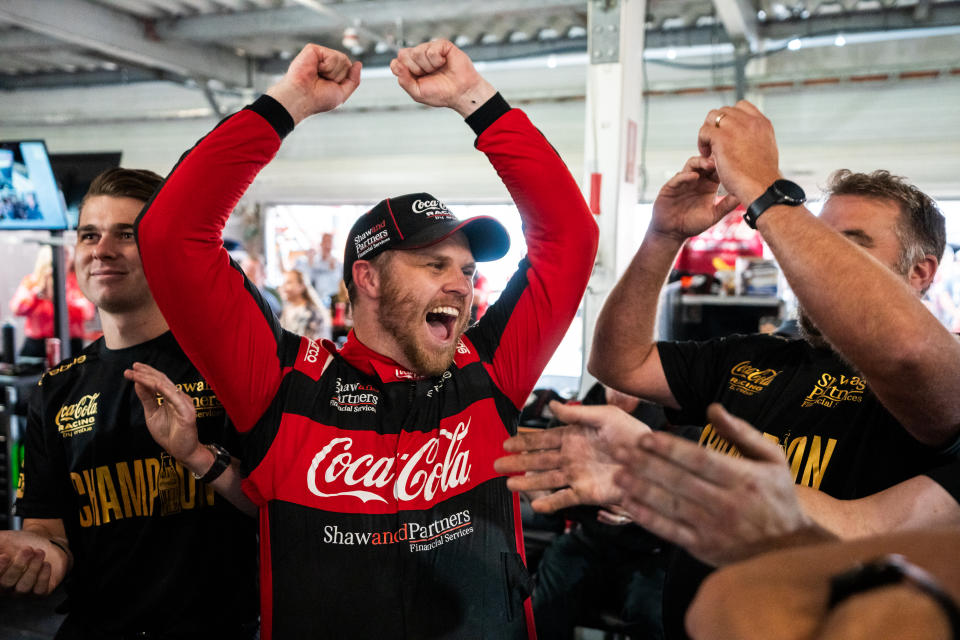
221,460
780,192
888,570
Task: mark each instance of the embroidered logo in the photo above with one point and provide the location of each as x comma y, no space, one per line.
749,380
370,239
431,209
77,418
354,397
439,465
831,390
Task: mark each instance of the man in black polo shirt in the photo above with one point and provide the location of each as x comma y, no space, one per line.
106,510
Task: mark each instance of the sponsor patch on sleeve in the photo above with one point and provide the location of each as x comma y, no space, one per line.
312,358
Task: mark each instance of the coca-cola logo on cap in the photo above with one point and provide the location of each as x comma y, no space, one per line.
431,208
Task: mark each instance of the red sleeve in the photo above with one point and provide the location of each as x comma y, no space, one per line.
214,317
24,299
561,240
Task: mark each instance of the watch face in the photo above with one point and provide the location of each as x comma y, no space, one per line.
790,191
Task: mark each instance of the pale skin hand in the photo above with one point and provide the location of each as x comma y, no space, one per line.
173,424
687,204
438,74
574,462
744,148
318,80
29,562
623,354
719,508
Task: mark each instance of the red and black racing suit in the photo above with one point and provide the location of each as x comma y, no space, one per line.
381,514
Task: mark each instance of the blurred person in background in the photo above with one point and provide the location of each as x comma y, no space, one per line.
303,312
253,266
326,270
33,301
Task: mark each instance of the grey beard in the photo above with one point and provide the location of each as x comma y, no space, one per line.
809,331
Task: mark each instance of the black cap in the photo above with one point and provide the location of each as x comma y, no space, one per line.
414,221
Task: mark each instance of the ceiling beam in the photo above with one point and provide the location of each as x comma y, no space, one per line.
60,79
123,37
19,41
739,18
883,21
369,13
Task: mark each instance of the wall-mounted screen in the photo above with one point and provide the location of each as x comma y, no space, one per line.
29,196
74,173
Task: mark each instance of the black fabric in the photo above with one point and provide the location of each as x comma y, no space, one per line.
146,537
487,114
836,435
582,580
948,477
274,113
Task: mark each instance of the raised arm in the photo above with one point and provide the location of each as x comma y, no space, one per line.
624,354
523,328
218,317
868,313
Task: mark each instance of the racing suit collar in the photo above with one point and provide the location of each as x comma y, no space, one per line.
370,362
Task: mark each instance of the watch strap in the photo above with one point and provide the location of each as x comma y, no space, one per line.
776,193
758,206
221,460
890,570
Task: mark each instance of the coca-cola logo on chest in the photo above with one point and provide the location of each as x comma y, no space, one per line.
440,463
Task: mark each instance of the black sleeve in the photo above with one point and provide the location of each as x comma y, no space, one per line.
487,114
695,372
948,477
43,478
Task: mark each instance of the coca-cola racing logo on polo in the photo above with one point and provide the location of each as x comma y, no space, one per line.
431,209
440,464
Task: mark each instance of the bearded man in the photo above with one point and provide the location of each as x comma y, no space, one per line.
381,515
867,414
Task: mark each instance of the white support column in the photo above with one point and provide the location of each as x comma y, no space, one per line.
612,144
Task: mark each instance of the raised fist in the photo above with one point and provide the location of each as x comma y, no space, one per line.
439,74
317,80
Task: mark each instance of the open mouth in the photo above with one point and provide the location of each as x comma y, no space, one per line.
441,321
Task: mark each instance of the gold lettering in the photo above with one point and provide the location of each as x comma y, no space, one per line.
706,434
188,488
210,495
91,485
109,501
141,484
132,495
86,518
772,438
85,407
152,469
816,468
795,454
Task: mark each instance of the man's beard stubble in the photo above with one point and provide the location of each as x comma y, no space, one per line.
809,331
401,315
812,334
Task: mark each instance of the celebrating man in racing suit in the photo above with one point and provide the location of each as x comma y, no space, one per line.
381,515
